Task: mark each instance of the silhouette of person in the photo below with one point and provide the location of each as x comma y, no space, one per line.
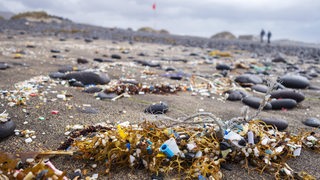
269,36
262,33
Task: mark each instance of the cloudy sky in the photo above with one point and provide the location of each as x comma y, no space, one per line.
286,19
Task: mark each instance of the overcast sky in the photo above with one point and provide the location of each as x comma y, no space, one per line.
286,19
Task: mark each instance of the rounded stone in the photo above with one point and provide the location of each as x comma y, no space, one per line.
3,66
82,61
235,95
92,90
289,94
260,88
159,108
87,78
281,124
223,67
57,75
283,103
7,128
103,95
254,102
312,122
248,79
115,56
294,81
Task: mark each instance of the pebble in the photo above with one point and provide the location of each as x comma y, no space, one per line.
235,95
92,90
294,81
288,93
279,58
57,75
55,51
254,102
103,95
65,69
312,122
115,56
260,88
146,63
3,66
82,61
283,103
248,79
89,110
88,78
7,128
223,67
159,108
281,124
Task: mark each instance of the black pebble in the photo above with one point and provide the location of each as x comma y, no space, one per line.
115,56
254,102
281,124
7,128
283,103
159,108
260,88
93,89
88,78
313,122
82,61
223,67
288,93
294,81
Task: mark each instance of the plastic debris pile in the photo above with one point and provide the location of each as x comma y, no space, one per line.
119,88
26,89
193,152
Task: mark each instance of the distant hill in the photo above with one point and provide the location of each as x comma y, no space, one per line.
39,16
6,14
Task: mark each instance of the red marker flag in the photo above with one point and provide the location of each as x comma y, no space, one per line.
154,6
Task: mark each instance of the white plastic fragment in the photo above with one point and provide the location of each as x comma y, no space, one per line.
95,176
265,141
232,136
172,145
132,159
191,146
28,140
297,152
250,137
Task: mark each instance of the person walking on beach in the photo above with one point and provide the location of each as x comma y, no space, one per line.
262,33
269,36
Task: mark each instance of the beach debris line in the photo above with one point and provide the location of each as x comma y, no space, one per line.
191,150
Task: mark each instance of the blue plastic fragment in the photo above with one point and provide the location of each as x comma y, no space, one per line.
128,146
149,149
165,149
268,151
200,177
149,142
